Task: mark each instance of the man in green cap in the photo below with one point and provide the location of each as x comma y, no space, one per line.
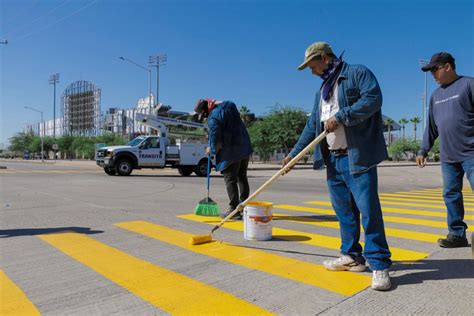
348,106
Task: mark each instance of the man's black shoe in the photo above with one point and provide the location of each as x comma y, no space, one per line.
452,241
237,216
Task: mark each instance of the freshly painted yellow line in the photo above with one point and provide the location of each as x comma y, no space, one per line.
322,241
437,206
168,290
305,272
414,196
413,212
390,219
408,199
392,232
12,299
467,191
441,214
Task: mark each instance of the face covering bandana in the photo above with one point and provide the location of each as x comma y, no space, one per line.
330,76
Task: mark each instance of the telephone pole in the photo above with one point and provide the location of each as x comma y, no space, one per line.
157,61
54,79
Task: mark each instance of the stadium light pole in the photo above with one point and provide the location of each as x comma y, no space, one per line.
149,77
424,62
41,136
157,61
54,79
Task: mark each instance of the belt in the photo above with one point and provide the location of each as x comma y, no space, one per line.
338,152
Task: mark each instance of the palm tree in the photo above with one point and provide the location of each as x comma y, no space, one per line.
388,122
244,114
403,121
416,120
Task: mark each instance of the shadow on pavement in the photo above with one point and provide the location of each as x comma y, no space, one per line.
420,271
286,251
311,218
5,233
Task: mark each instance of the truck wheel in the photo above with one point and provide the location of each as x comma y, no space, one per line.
110,171
185,171
123,167
201,168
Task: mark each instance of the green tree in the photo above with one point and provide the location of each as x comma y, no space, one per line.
279,129
245,115
416,120
388,122
65,145
403,122
260,139
403,148
20,142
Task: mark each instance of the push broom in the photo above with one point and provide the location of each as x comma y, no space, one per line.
201,239
207,207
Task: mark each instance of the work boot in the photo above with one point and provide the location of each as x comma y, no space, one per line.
344,263
381,280
237,216
452,241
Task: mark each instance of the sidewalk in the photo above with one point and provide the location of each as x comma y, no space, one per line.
252,166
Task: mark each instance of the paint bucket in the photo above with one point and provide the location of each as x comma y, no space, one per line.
258,221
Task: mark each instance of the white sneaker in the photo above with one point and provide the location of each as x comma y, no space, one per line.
381,280
344,263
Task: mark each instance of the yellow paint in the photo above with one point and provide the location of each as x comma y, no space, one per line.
437,206
345,283
392,219
420,212
12,299
322,241
413,196
392,232
409,199
466,190
165,289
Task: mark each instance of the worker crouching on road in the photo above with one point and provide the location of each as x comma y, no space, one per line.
229,141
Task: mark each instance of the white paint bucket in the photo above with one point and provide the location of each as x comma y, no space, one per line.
258,221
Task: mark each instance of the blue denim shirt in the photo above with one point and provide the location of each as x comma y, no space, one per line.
228,137
360,102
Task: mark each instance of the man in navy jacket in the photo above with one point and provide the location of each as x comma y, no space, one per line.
229,141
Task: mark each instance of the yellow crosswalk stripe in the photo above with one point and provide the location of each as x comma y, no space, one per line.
345,283
436,206
390,219
406,199
392,232
415,196
165,289
322,241
466,191
12,299
386,209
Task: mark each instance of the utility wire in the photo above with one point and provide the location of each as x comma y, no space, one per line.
37,19
19,13
57,21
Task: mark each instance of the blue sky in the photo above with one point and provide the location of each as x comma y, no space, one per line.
244,51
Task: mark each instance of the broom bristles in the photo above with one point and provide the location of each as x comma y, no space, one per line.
207,207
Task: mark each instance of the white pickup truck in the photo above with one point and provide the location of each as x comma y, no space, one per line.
155,151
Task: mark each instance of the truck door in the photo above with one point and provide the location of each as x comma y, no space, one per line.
151,153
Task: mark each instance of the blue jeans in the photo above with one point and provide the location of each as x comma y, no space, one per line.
453,174
351,195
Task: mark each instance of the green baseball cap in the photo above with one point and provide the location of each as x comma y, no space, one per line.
314,50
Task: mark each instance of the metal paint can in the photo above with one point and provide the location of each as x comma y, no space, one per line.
258,220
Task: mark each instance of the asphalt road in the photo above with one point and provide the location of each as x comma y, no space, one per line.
76,241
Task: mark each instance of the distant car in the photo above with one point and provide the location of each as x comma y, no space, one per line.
26,155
